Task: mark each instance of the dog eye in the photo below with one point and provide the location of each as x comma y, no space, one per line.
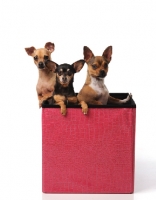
36,58
59,73
94,66
46,57
105,65
69,73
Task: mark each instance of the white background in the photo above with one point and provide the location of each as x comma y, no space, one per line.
129,26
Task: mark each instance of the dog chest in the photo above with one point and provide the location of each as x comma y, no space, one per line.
98,86
45,86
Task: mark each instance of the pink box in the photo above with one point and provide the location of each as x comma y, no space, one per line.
91,153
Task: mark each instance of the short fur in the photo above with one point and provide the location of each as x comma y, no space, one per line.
64,92
47,77
94,90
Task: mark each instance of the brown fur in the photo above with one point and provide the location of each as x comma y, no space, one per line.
72,99
94,91
59,99
47,77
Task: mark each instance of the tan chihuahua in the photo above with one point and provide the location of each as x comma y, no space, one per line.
47,77
94,90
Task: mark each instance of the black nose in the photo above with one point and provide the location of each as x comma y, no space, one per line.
41,65
102,73
64,79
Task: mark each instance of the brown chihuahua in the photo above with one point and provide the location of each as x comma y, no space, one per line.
47,77
94,90
64,91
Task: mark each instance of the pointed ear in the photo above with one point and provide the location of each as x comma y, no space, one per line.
30,50
51,65
107,54
49,46
78,65
88,54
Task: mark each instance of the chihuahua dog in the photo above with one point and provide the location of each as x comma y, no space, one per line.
47,77
64,91
94,90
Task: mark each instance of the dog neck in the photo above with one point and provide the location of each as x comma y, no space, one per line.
46,73
97,84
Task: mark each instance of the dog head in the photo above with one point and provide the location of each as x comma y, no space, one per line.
97,65
40,56
65,72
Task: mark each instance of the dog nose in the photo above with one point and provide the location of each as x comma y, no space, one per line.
64,79
41,65
102,73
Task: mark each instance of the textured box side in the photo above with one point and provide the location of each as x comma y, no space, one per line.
91,153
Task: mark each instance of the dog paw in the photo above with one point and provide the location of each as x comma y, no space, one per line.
85,110
63,111
84,107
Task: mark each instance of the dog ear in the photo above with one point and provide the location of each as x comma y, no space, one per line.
88,54
51,65
78,65
107,54
49,46
30,50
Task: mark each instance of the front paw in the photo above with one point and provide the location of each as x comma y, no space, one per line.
84,107
85,110
63,110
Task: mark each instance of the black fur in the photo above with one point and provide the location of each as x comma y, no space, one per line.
59,88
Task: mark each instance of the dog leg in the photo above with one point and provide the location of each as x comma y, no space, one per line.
60,101
119,101
43,97
40,100
84,107
46,96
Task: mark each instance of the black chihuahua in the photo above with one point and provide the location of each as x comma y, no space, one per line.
64,90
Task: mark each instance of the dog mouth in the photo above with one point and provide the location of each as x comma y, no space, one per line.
101,76
64,83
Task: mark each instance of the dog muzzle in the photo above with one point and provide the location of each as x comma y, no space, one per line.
102,74
41,65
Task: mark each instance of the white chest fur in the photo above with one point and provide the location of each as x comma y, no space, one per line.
100,88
